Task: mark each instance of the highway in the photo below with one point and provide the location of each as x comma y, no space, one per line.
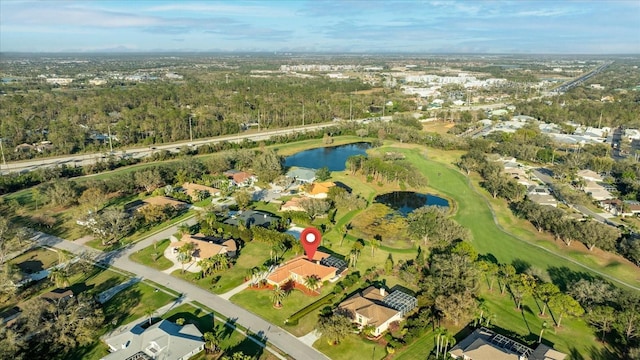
577,81
141,152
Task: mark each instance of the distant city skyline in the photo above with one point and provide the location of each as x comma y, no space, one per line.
358,26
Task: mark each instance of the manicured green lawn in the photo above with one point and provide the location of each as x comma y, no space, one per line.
131,303
475,214
259,302
419,349
251,255
35,260
574,335
350,348
96,281
152,256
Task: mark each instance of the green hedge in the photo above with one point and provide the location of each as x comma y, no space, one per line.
293,319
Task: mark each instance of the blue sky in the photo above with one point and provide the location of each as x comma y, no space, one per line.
431,26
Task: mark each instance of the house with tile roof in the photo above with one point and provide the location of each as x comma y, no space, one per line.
298,269
320,190
163,340
240,178
370,308
292,205
206,247
192,190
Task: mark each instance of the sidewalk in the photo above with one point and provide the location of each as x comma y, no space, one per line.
235,290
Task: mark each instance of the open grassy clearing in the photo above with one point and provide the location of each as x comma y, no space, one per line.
437,126
350,348
35,260
131,303
152,256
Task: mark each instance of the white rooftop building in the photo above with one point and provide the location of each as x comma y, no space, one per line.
163,340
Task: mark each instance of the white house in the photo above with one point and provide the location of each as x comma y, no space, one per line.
590,175
163,340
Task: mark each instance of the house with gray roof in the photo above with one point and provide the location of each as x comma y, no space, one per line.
302,175
163,340
484,344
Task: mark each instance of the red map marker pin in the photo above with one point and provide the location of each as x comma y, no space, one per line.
310,239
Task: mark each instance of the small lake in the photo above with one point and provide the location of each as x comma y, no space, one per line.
333,157
406,201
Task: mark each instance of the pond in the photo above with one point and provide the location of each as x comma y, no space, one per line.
333,157
406,201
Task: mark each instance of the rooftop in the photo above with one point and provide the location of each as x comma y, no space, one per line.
164,340
301,267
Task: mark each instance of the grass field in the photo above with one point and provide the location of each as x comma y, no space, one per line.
35,260
419,349
152,256
475,214
350,348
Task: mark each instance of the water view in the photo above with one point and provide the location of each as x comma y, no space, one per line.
406,201
333,157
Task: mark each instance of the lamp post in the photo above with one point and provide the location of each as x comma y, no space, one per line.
190,128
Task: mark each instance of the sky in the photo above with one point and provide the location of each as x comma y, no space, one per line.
345,26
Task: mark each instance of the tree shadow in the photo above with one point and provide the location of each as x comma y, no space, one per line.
563,277
246,346
228,328
520,265
118,308
31,266
488,258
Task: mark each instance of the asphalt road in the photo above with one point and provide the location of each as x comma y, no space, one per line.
584,210
87,159
273,333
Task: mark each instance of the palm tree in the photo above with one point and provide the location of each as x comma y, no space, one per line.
440,333
185,252
59,277
220,261
277,296
207,266
184,229
375,244
148,312
312,282
448,340
212,340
